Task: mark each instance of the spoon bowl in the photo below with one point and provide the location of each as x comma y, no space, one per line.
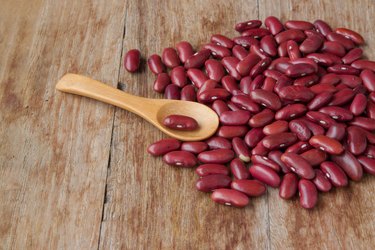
152,110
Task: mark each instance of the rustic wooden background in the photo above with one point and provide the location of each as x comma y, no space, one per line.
74,173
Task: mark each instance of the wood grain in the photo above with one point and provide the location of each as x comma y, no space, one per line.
75,174
54,148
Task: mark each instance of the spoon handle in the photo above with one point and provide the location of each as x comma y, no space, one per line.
85,86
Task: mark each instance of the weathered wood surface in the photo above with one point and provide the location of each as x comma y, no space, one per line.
74,173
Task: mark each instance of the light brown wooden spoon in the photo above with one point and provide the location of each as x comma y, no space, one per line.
152,110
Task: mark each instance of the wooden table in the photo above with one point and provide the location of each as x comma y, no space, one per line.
75,173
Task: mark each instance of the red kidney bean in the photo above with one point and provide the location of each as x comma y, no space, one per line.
276,127
282,50
298,147
180,122
238,169
342,97
275,155
368,78
261,66
290,111
239,52
163,146
274,25
323,119
230,197
180,159
320,100
219,106
299,70
370,151
293,50
265,175
245,41
357,140
272,75
266,98
352,55
308,194
322,27
245,65
197,60
161,82
218,143
299,25
184,50
315,128
335,37
351,81
283,61
195,147
250,24
363,64
211,95
172,92
261,119
245,84
251,188
214,69
333,48
178,76
197,77
222,40
358,105
244,102
132,60
241,149
291,34
364,122
336,131
343,69
269,85
170,58
337,113
301,130
321,181
314,156
188,93
254,136
311,44
211,169
352,35
155,64
370,112
326,144
256,49
209,84
218,156
323,87
211,182
260,149
256,33
269,45
217,51
306,80
368,164
349,164
280,140
263,160
288,186
330,78
232,106
230,64
232,131
334,173
298,165
240,117
296,93
370,137
230,84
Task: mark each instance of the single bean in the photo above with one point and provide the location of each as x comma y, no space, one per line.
296,93
132,60
239,52
314,156
194,147
252,188
155,64
230,84
230,64
232,131
336,131
241,149
298,165
274,25
269,85
269,45
343,69
323,87
349,164
211,182
342,97
335,37
163,146
334,48
180,159
298,147
161,82
265,175
370,111
299,25
368,164
170,58
217,51
184,50
311,44
326,144
244,102
254,136
306,81
250,24
280,140
337,113
180,122
197,77
368,78
293,50
245,41
188,93
178,76
240,117
352,56
300,129
264,160
260,150
222,40
211,95
245,65
357,140
261,119
322,27
216,142
230,197
290,111
288,186
238,169
321,181
364,122
214,69
197,60
256,49
172,92
218,156
320,118
308,194
352,35
291,34
320,100
210,169
350,80
363,64
334,173
276,127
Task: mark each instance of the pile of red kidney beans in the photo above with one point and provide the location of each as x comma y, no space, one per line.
296,104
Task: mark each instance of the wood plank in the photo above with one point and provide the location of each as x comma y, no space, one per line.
149,204
344,218
54,148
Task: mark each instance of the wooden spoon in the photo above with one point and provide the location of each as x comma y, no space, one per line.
153,110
